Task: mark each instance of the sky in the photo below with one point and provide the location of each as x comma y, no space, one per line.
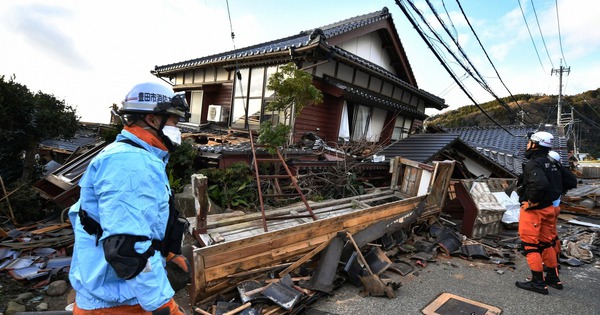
90,53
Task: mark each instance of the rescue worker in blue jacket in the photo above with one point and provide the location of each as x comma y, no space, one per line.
124,224
541,186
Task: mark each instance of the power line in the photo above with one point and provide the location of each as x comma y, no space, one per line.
481,80
449,19
529,31
588,104
589,121
238,74
559,37
230,25
452,74
490,60
541,35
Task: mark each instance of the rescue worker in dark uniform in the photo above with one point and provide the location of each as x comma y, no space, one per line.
541,186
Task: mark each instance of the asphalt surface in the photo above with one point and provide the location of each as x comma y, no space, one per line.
478,281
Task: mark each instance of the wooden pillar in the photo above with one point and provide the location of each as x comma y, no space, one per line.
199,186
396,168
200,189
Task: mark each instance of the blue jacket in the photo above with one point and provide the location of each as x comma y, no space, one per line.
126,190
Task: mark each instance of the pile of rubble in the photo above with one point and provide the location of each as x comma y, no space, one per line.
38,259
379,266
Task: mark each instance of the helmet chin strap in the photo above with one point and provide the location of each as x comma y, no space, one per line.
166,140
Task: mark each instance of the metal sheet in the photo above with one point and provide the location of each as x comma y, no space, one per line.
282,295
322,279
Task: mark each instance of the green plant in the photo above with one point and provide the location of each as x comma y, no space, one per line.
293,87
231,187
293,91
26,119
175,183
273,137
181,165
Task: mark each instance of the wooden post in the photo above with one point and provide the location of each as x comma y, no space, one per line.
11,215
200,188
396,168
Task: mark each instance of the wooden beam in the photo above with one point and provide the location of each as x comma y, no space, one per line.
306,257
199,187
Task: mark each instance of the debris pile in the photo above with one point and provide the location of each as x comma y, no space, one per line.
34,263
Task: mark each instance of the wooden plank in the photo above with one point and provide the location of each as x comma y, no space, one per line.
291,243
280,237
220,222
50,228
298,236
198,282
306,257
200,190
221,271
220,264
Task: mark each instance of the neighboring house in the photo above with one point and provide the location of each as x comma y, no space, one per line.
370,92
507,147
429,147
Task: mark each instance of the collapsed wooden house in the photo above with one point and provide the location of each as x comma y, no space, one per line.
237,248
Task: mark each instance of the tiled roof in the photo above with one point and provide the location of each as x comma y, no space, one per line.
503,147
426,147
296,41
69,145
304,39
386,73
420,147
371,96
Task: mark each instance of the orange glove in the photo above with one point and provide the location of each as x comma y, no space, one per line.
528,204
178,271
169,308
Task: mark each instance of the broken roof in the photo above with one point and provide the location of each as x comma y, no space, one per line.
506,146
426,148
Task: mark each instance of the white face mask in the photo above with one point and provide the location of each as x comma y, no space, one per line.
172,133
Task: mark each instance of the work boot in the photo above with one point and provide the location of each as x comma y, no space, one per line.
536,284
552,278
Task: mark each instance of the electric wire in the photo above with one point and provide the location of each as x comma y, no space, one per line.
490,60
541,35
449,19
238,74
481,79
452,74
588,104
559,37
588,120
529,31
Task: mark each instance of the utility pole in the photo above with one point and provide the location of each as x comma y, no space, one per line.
560,75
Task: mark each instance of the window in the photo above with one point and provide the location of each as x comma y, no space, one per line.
251,94
366,123
401,128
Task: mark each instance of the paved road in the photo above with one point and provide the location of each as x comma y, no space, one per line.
475,280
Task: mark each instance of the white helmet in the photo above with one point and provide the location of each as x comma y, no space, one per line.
155,98
554,155
542,138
